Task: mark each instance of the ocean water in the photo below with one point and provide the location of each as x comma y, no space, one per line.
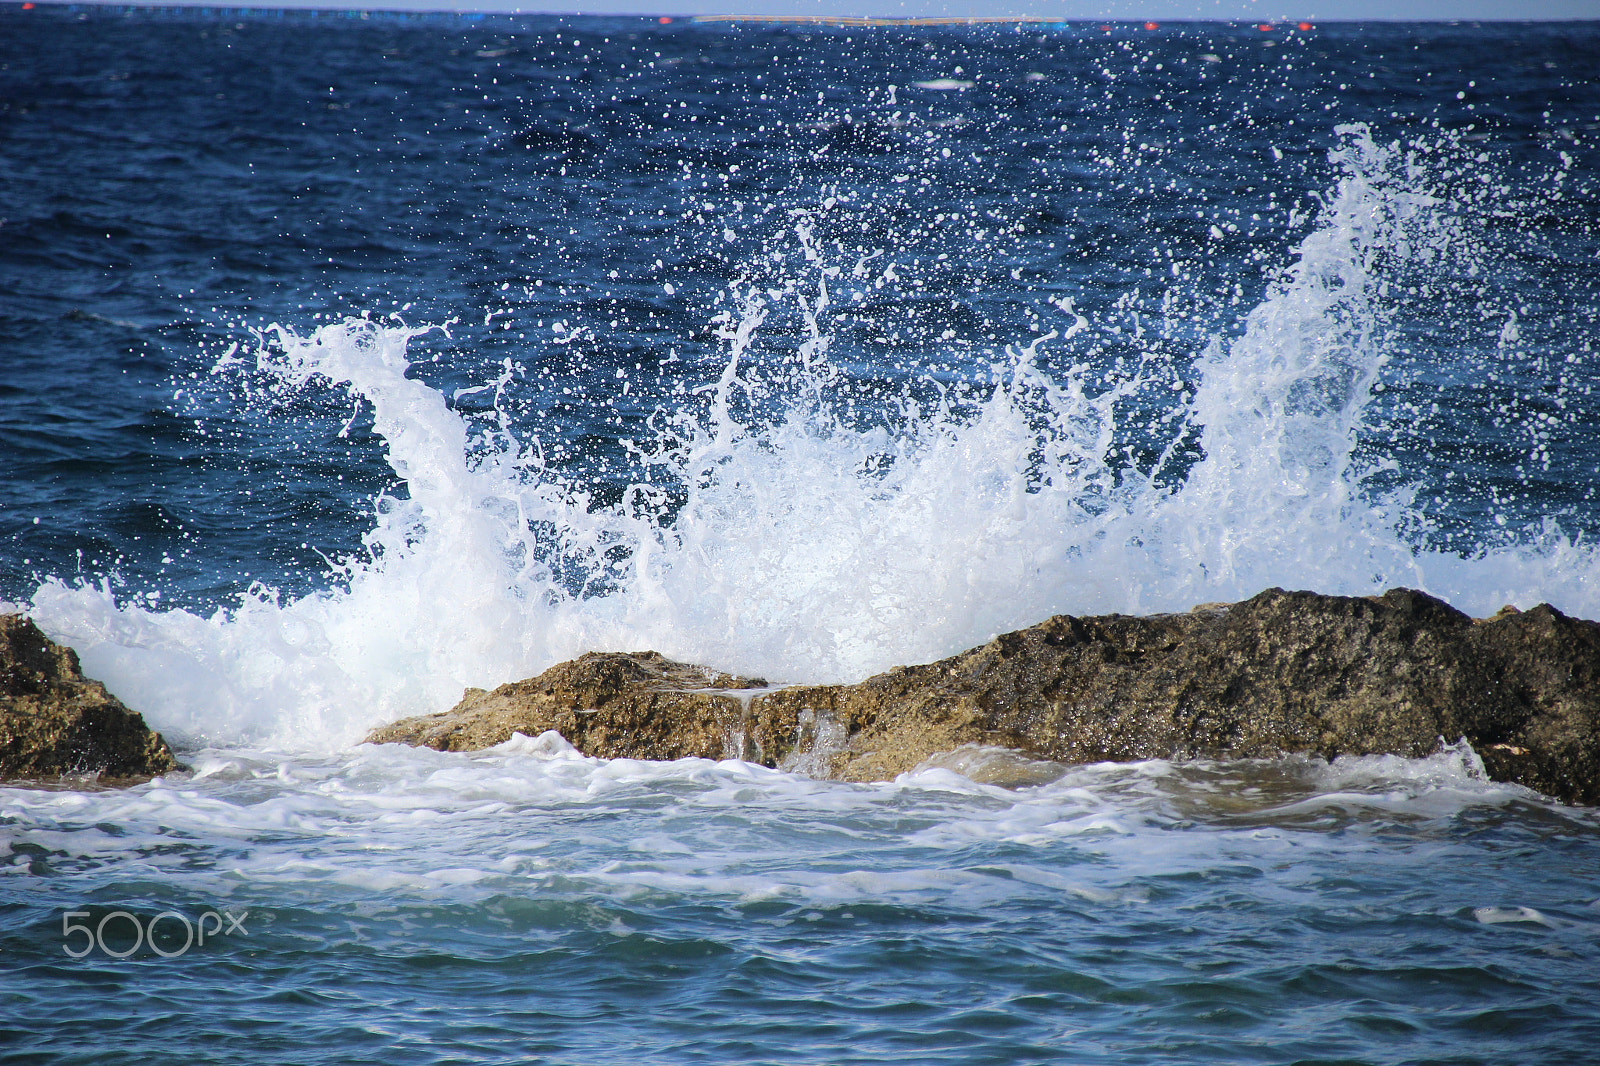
350,360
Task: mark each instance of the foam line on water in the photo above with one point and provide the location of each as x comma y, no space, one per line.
531,816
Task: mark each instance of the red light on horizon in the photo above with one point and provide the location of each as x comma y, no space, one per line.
27,7
664,20
1152,25
1307,26
1266,27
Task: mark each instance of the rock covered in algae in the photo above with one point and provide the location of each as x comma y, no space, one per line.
55,722
1281,673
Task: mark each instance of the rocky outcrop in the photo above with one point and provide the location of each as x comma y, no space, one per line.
1281,673
55,722
615,706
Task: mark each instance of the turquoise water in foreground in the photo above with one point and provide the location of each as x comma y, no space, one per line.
531,905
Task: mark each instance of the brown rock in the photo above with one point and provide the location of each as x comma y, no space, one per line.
1281,673
55,722
639,706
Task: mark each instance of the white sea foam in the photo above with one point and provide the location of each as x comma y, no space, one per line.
1504,915
810,549
533,819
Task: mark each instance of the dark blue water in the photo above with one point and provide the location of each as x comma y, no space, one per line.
173,175
348,361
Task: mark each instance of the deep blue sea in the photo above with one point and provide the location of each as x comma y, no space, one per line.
348,360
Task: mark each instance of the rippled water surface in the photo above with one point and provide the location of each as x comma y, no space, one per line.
349,361
526,902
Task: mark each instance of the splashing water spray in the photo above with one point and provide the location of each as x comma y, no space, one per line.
811,547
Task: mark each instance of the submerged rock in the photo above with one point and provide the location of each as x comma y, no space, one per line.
1281,673
55,722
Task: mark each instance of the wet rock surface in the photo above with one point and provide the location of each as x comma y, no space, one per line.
56,723
612,705
1280,673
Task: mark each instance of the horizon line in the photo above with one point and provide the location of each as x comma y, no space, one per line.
848,21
